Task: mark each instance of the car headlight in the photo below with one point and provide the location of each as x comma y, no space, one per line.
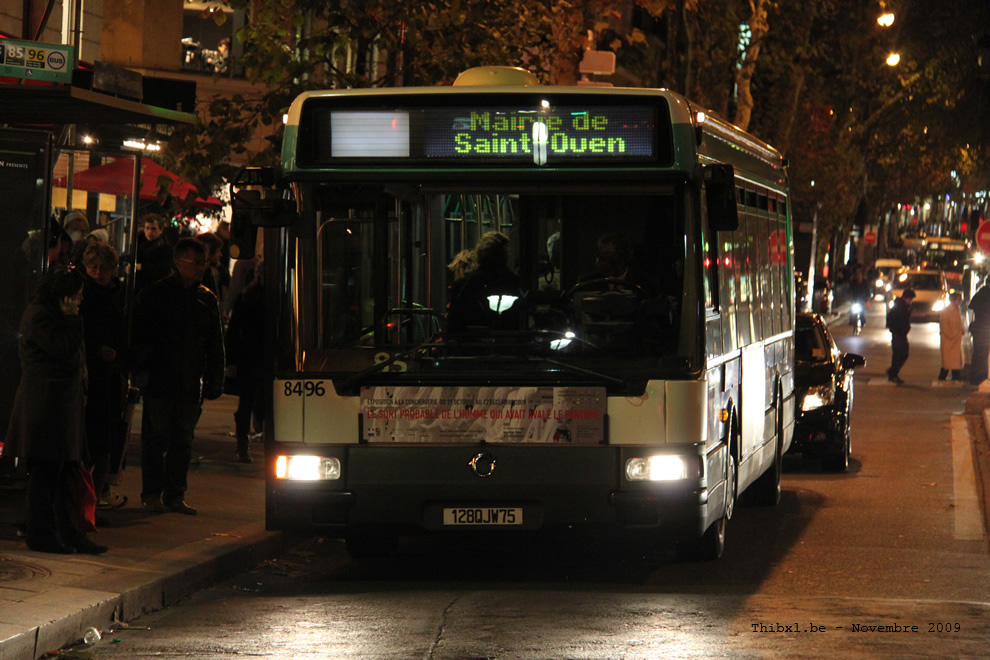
938,305
879,284
662,468
816,397
307,468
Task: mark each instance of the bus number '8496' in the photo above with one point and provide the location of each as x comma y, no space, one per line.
305,388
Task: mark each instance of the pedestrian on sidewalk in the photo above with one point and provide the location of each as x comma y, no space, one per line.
245,346
950,333
899,324
178,338
102,312
980,330
47,422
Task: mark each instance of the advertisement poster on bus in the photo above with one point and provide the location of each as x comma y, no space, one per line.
544,415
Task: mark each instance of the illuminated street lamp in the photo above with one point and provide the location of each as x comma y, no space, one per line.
893,59
885,20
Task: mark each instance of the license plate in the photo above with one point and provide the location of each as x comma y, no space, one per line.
482,515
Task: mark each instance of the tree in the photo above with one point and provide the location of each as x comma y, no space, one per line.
885,126
291,46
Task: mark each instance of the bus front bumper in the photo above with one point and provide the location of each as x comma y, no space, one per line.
414,490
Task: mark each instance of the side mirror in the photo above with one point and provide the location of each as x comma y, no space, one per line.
720,194
268,203
243,232
852,361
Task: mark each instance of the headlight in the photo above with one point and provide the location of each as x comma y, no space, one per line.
662,468
879,284
938,306
855,308
307,468
816,397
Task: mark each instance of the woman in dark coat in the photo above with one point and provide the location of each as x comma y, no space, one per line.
102,312
245,345
47,420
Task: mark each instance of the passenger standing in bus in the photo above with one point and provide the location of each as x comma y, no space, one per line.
463,263
899,324
980,329
178,341
490,296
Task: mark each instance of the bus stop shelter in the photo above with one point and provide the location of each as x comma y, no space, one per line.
37,122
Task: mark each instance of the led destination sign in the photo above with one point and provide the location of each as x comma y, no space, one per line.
483,134
562,132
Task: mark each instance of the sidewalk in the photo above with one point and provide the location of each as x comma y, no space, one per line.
47,601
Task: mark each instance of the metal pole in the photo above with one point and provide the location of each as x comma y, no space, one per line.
132,244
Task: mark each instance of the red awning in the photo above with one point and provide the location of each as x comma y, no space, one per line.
117,178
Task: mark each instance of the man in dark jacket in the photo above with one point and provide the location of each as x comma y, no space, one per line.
154,255
899,324
179,341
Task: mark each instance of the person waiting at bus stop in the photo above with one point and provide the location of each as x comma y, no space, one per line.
178,339
47,422
899,324
154,255
102,311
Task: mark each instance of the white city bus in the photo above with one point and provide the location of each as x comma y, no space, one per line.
646,400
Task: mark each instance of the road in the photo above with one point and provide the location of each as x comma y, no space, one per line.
888,559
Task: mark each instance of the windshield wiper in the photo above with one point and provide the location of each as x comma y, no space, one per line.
381,366
573,368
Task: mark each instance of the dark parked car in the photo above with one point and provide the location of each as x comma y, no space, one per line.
823,382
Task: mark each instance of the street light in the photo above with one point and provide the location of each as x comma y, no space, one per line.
893,59
885,20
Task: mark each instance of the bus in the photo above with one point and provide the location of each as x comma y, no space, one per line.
568,396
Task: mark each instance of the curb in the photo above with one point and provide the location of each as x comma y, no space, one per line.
978,409
123,594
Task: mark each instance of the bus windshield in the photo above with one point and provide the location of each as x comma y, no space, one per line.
427,283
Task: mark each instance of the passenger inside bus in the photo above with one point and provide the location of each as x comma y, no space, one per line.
619,304
490,297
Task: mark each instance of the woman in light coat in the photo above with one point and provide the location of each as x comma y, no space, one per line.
951,333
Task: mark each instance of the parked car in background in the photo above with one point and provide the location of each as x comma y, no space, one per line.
823,382
931,293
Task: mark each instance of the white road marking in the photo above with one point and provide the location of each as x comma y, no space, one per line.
968,519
